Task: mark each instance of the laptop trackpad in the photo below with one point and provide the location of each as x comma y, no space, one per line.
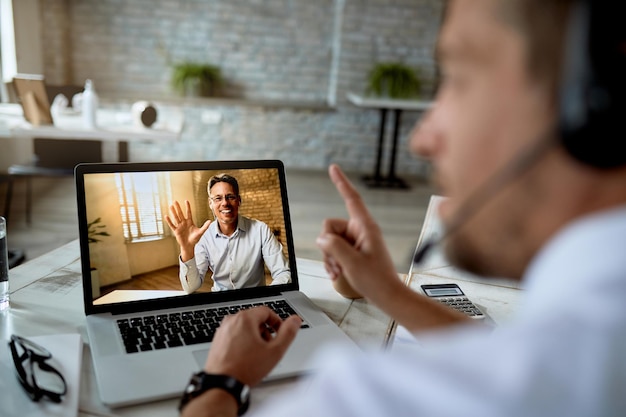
200,357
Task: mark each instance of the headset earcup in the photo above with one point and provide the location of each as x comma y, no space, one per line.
593,92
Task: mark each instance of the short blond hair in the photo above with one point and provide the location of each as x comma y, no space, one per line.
543,23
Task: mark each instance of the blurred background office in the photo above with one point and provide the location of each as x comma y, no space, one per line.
253,78
287,66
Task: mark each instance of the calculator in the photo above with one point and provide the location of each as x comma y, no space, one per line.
452,296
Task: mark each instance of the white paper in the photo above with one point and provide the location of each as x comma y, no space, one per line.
67,350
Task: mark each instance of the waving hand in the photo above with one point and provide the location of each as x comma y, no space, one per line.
186,232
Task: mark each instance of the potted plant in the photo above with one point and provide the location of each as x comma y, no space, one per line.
95,230
394,80
192,79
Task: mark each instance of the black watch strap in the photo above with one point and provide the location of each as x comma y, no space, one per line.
201,382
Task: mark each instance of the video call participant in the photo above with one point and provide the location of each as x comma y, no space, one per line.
556,221
235,248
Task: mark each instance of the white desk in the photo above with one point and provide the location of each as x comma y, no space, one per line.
497,298
46,299
114,129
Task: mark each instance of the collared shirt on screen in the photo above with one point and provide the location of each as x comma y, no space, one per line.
237,261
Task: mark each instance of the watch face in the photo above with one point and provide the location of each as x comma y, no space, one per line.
245,393
190,388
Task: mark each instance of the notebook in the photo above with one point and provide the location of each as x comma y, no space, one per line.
133,297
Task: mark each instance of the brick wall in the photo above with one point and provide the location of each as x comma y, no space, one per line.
260,196
270,50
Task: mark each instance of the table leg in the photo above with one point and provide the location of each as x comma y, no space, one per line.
375,179
7,198
16,256
115,151
122,151
391,179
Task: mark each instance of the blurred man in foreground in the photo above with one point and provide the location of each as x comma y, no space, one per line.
543,217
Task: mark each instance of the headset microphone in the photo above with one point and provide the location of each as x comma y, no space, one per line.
489,189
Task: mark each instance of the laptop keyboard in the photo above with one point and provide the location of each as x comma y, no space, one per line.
161,331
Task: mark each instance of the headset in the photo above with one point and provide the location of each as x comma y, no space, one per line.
592,99
591,123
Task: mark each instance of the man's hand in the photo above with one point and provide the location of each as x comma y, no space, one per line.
246,347
186,233
354,250
249,344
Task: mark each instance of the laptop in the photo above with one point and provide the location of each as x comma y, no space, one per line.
134,301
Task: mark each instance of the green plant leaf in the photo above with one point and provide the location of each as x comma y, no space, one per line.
94,228
207,77
394,80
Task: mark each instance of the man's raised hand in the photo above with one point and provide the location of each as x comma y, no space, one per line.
186,232
354,249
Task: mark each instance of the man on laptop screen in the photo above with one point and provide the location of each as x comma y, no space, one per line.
134,249
137,313
235,248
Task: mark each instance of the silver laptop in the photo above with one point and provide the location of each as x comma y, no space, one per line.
146,334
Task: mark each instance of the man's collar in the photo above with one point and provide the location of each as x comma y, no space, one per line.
243,224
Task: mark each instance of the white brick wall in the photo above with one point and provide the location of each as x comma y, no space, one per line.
267,49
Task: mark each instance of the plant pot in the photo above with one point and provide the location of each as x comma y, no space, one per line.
192,88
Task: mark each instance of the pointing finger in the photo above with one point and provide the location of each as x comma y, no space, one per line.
354,203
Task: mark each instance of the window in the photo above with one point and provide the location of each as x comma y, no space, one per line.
144,197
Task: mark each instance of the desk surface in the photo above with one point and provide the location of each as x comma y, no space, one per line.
388,103
497,298
112,124
46,298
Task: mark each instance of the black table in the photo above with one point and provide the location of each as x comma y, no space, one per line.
377,180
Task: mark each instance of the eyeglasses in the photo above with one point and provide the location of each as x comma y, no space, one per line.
231,198
37,377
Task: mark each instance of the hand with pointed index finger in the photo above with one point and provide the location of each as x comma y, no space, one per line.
354,250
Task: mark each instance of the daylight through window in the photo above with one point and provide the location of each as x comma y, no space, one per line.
144,197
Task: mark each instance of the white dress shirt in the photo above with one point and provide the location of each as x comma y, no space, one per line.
564,354
238,260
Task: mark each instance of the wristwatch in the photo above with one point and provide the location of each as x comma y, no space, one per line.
201,382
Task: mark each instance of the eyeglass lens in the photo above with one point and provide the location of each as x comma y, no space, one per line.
230,198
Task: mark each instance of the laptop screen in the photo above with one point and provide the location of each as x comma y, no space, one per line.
144,243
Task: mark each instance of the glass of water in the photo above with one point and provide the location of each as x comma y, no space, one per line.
4,266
